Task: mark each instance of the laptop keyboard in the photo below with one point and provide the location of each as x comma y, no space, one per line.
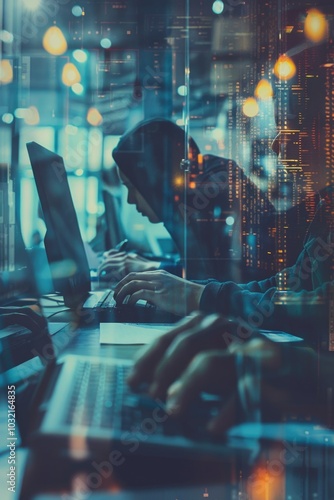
96,395
100,398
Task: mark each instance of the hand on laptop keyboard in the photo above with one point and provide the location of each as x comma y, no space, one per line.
255,377
23,316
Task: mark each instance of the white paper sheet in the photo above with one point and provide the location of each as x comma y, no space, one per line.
131,333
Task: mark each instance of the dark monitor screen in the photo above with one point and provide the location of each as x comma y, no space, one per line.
16,279
63,243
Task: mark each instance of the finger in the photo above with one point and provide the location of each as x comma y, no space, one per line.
204,334
148,358
144,276
201,374
226,418
132,286
112,253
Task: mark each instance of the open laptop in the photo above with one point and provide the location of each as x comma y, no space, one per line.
87,411
64,246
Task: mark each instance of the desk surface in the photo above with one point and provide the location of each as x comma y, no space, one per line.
282,468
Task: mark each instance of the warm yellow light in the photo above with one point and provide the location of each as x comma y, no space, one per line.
250,107
94,117
32,116
284,68
178,181
6,71
316,26
54,41
70,75
263,90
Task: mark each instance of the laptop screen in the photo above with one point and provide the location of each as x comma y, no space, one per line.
63,243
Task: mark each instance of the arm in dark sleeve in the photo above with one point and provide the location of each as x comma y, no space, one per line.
301,312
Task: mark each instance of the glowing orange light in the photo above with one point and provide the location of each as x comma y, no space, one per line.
32,116
284,68
250,107
6,72
70,75
54,41
263,90
178,181
94,117
192,185
316,26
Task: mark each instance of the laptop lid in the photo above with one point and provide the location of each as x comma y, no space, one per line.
63,243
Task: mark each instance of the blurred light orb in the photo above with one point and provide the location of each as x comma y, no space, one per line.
218,7
6,72
32,116
6,36
316,26
182,90
264,90
250,107
229,220
284,68
105,43
80,55
77,88
70,75
77,11
54,41
94,117
7,118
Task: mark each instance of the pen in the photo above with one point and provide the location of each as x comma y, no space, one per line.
121,245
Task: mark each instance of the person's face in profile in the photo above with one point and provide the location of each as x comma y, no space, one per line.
135,198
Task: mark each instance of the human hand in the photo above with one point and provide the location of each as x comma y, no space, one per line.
280,390
169,292
160,363
116,265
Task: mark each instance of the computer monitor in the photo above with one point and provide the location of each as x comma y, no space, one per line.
16,279
63,243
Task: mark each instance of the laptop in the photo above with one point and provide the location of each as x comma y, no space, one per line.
65,248
87,411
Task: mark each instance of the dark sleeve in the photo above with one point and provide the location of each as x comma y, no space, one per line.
303,313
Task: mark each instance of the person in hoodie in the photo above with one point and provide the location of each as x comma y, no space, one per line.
295,299
150,158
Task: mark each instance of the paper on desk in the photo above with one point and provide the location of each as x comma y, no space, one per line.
131,333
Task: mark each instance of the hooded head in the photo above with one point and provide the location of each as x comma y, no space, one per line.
149,158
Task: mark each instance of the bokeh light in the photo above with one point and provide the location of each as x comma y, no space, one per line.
6,71
105,43
54,41
94,117
80,55
70,75
264,90
284,68
250,107
218,7
316,26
